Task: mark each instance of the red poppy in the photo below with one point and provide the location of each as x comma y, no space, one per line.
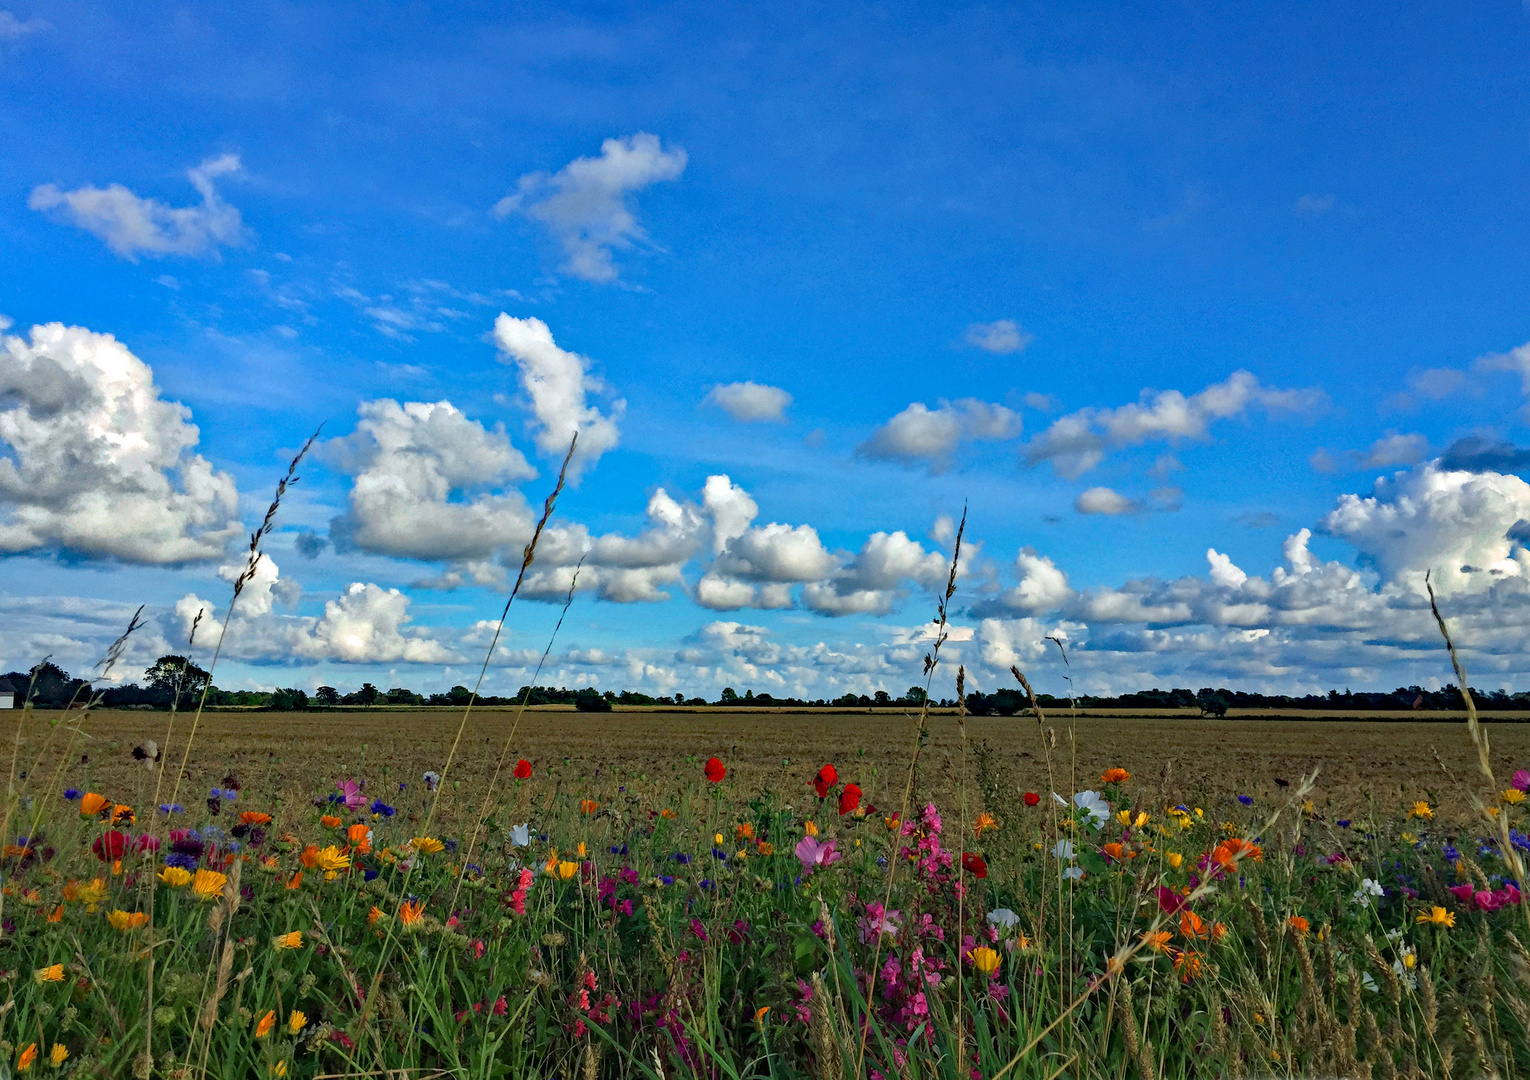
827,777
111,846
849,799
1031,798
715,770
974,864
523,769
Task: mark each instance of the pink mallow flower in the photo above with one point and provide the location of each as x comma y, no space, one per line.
351,795
1521,780
814,854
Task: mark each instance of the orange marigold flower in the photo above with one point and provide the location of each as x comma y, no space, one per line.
744,831
588,806
767,848
27,1057
292,939
122,815
1115,776
1230,851
310,856
58,1055
266,1023
254,817
360,837
123,921
329,821
208,884
58,914
92,804
1157,940
411,912
374,914
1115,851
53,973
1299,924
667,813
1192,925
428,845
296,880
984,822
1188,964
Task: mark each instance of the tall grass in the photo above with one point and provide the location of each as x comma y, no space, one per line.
685,925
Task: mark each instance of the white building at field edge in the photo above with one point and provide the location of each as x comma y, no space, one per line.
7,695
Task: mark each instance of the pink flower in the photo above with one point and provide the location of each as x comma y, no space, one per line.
1521,780
814,854
1169,901
1464,893
351,794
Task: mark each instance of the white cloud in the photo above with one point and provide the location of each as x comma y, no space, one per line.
132,225
1434,519
14,29
731,509
750,401
96,463
875,580
1043,587
1395,449
557,382
922,434
1076,443
587,204
1223,570
1003,336
1102,500
411,464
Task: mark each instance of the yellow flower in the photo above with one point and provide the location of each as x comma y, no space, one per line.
27,1056
332,860
567,870
427,845
1409,838
92,804
267,1022
123,921
1421,809
58,1054
1175,859
92,894
1513,796
552,861
718,839
54,973
1158,941
985,959
583,851
208,884
292,939
296,1021
280,1068
1124,817
1140,820
1438,916
809,828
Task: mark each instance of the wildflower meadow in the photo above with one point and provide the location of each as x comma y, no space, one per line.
1102,925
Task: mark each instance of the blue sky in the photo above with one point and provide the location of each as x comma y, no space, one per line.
1015,258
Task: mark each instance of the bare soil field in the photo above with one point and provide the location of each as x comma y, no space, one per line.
655,756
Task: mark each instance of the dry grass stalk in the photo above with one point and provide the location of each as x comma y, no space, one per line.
827,1063
1135,1046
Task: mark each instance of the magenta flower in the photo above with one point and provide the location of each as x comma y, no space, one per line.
814,854
1521,780
350,794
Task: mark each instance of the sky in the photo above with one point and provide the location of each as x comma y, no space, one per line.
1214,323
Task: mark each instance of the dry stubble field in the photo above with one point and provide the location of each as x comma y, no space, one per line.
296,756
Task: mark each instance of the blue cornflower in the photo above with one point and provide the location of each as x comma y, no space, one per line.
618,849
171,808
720,854
380,807
182,859
450,845
72,793
706,883
1342,823
667,879
368,874
1246,800
681,857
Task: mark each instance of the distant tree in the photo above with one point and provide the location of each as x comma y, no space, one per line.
400,695
1212,702
881,697
914,695
172,675
591,700
459,695
292,700
48,685
367,695
326,696
729,696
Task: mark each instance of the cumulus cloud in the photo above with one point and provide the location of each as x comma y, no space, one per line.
1043,586
1394,449
557,382
423,483
1076,443
1477,454
750,401
1103,500
587,204
878,577
1452,522
133,226
920,434
96,463
1002,336
365,624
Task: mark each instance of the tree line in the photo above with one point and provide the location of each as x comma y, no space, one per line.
177,680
